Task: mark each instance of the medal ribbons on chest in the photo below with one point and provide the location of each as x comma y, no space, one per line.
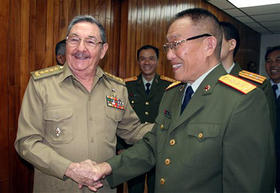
113,101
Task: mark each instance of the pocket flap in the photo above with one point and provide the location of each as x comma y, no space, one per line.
203,130
57,114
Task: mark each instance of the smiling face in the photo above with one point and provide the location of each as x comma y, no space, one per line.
272,66
188,59
83,58
148,62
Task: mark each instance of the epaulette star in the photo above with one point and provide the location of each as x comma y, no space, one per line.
115,78
46,72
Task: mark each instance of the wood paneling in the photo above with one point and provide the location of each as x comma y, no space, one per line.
147,23
31,28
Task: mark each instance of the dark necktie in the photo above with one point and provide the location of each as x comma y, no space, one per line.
275,87
187,98
148,88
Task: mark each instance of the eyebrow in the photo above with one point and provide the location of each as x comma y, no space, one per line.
90,36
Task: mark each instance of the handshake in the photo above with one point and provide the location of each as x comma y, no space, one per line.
88,173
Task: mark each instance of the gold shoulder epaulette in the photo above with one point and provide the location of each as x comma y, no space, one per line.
46,72
237,83
115,78
252,76
162,77
174,84
133,78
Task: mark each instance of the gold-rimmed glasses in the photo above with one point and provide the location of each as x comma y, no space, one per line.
175,44
89,42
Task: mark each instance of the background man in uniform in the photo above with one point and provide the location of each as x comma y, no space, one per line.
230,45
221,142
60,52
72,113
145,93
272,66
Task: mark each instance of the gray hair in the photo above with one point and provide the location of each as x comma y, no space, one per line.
90,19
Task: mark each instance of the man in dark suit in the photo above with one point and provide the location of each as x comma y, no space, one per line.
145,92
212,133
230,46
272,66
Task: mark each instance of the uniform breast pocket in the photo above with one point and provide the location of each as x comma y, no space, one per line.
114,113
203,143
58,125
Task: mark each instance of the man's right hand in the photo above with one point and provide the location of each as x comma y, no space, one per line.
82,172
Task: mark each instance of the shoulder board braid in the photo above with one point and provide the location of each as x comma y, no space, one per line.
174,84
237,83
252,76
46,72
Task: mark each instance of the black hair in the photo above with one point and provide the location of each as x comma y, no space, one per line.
60,47
271,49
199,15
145,47
231,32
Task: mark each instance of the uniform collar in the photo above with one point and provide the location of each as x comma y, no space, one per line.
68,73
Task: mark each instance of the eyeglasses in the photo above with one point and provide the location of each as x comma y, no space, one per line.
74,41
175,44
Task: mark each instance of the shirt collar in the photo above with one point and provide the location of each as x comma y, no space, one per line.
145,81
230,69
198,81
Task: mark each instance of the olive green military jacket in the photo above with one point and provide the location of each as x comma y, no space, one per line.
61,122
222,143
146,106
266,87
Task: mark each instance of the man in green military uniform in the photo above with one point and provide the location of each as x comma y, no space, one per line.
212,132
71,114
230,46
145,93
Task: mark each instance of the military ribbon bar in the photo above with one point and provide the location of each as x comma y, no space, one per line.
114,102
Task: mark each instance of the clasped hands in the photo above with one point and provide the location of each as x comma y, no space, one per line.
88,173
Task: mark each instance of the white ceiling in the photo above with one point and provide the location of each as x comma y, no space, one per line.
263,19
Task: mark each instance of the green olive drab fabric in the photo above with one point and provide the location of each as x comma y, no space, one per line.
223,143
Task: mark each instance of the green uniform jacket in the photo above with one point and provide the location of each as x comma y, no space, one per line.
223,142
146,106
61,122
266,87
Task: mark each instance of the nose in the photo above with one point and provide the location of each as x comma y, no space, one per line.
81,45
170,54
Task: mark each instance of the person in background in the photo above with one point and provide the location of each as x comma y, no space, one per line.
272,67
71,114
212,132
60,52
230,46
145,92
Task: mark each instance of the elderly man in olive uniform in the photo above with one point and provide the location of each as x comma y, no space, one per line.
212,132
272,67
230,46
145,93
72,113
